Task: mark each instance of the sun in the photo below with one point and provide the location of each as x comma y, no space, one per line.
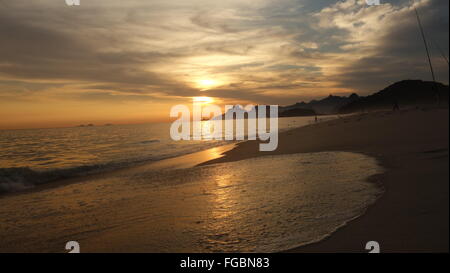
206,84
202,100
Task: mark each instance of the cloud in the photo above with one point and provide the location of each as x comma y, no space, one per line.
265,51
383,45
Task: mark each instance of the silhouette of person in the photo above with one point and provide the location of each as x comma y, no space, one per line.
396,107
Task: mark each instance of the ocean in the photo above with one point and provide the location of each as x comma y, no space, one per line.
38,156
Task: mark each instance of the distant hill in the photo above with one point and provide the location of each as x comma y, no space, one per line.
328,105
405,93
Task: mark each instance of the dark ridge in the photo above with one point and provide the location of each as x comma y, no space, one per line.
404,93
328,105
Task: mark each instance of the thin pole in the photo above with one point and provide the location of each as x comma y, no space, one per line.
440,50
428,54
426,45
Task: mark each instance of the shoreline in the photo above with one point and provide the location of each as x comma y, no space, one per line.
412,146
316,246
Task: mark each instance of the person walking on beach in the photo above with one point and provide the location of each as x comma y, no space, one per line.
396,107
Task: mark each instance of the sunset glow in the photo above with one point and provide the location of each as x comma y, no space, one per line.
156,54
206,84
202,100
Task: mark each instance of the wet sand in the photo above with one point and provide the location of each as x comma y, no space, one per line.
413,213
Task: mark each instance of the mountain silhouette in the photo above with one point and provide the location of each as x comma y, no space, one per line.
328,105
405,93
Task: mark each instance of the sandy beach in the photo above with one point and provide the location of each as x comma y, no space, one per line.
412,215
124,210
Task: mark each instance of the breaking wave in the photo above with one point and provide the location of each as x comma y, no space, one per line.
18,179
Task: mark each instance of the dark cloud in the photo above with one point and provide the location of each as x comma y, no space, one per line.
400,53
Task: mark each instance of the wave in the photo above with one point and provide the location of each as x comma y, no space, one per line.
23,178
18,179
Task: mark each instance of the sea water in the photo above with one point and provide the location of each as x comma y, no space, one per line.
38,156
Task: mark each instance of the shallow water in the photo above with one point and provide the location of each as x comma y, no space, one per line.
267,204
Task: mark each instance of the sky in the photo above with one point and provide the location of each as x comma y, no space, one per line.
111,61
